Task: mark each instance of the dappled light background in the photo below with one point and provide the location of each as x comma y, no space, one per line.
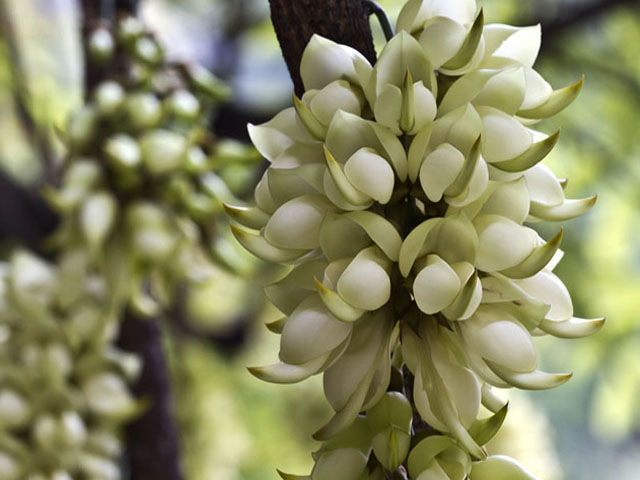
235,427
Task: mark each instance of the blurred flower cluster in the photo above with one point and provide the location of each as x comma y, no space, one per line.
138,205
398,193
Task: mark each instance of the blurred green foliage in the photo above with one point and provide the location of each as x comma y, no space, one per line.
237,428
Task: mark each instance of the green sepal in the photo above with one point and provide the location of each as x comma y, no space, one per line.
469,46
417,151
259,246
380,230
490,400
558,101
573,327
277,325
289,476
569,209
407,112
464,177
534,154
350,193
284,373
462,300
338,307
535,262
413,243
250,217
485,429
425,451
536,380
309,120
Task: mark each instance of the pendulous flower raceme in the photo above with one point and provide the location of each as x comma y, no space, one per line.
140,207
398,194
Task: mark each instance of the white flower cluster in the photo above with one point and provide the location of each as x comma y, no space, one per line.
397,193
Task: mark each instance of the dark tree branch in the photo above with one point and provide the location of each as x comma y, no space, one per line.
151,439
554,28
24,216
343,21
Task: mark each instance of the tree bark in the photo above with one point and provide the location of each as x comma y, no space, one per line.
152,439
343,21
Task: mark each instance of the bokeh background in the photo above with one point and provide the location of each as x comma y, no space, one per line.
237,428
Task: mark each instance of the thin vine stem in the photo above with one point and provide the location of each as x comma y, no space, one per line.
376,9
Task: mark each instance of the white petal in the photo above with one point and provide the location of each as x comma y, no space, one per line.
388,108
543,186
504,91
548,288
364,283
496,336
371,174
464,390
502,242
324,61
537,89
424,106
296,224
510,200
335,230
441,39
439,170
477,185
436,285
279,133
461,128
310,332
522,46
499,467
401,53
336,96
416,12
504,136
519,44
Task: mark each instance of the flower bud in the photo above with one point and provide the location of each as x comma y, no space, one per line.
122,152
163,151
10,468
183,105
143,110
15,410
107,395
100,45
147,50
108,97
